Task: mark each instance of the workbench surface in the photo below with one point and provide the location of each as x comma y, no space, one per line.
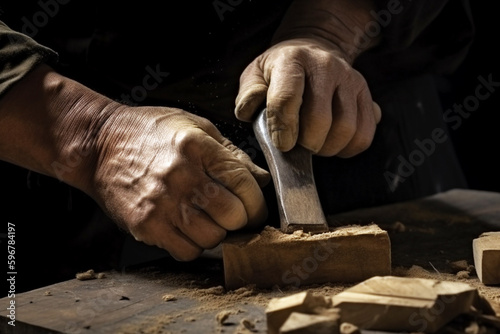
165,296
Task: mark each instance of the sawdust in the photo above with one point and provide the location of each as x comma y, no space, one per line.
463,274
217,297
150,324
228,306
271,234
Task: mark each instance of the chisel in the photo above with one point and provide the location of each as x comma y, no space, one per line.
292,173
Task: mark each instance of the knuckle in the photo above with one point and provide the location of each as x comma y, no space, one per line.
215,239
188,142
346,130
363,143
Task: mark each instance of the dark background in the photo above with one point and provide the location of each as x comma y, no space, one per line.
477,139
63,215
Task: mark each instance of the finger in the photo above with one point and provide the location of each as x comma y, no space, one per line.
225,168
219,203
252,92
316,110
239,181
199,227
157,233
284,99
344,119
365,129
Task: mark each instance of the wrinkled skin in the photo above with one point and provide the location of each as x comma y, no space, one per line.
169,177
314,97
166,176
173,181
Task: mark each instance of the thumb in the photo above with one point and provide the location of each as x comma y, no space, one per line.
252,92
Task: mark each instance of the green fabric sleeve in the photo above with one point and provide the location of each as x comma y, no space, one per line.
19,54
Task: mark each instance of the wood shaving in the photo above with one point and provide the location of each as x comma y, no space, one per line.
463,274
87,275
247,324
168,298
222,316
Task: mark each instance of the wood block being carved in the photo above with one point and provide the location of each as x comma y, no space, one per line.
272,258
486,250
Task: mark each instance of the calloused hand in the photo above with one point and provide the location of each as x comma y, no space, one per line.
313,97
166,176
172,180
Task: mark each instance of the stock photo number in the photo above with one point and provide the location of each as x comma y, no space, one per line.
11,273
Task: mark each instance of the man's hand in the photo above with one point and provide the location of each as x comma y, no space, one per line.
174,181
313,95
166,176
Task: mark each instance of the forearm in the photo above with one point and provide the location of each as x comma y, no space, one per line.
339,22
45,122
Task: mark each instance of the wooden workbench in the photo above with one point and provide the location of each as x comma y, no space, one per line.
165,296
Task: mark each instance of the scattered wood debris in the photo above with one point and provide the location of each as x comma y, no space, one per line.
168,298
247,324
301,323
279,309
348,328
222,316
383,303
89,274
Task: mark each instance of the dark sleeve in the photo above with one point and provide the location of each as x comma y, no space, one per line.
19,54
427,36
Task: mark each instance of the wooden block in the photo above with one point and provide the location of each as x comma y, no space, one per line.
402,304
347,328
272,258
279,309
301,323
486,250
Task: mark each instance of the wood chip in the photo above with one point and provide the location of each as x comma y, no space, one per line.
87,275
168,298
301,323
279,309
222,316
